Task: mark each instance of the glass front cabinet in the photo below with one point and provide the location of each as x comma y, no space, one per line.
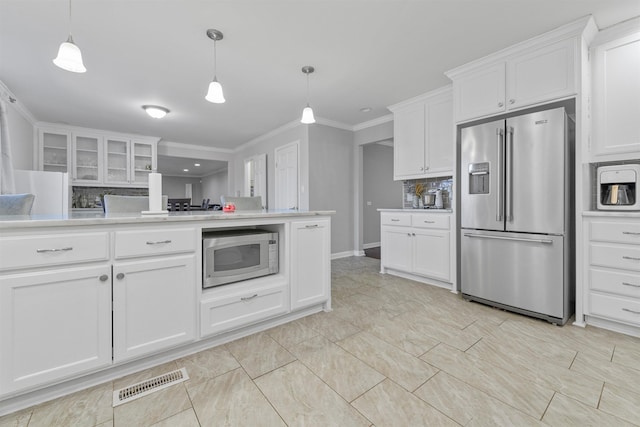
54,150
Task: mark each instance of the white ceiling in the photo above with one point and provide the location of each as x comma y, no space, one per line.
369,53
175,166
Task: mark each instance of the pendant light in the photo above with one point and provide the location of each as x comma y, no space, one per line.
307,113
69,56
215,94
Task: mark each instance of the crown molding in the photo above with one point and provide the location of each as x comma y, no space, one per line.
374,122
202,148
8,96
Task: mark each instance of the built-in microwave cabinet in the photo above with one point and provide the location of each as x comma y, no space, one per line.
615,56
533,76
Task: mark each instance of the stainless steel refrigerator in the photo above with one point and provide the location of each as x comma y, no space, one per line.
516,214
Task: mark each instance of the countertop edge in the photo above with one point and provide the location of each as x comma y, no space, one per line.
416,210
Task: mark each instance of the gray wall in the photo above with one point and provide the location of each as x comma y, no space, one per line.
331,185
174,187
215,185
378,187
21,136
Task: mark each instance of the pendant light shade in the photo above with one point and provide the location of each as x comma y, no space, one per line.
307,113
214,94
69,56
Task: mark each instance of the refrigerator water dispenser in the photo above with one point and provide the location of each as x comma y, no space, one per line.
479,178
617,187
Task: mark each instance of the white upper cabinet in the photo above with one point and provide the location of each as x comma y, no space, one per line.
54,148
423,136
87,158
537,71
616,93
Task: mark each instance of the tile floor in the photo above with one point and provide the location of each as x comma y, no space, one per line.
392,353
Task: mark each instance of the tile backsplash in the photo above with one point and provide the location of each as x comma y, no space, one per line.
91,197
443,183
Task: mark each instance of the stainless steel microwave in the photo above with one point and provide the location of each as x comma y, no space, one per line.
233,255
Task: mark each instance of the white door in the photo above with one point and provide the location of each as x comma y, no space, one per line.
255,177
287,176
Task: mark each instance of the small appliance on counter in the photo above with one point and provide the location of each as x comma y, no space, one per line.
617,187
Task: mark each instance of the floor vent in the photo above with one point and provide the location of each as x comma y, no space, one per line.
144,388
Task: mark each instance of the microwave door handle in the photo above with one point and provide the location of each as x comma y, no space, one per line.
500,199
509,180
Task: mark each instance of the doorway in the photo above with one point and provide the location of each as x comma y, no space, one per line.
286,175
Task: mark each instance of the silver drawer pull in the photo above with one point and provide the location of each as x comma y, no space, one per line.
631,258
517,239
429,222
161,242
394,220
311,226
631,284
631,311
633,233
40,251
248,298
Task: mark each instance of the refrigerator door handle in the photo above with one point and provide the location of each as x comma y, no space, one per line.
517,239
500,198
509,180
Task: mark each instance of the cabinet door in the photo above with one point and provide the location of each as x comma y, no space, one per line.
117,160
480,93
409,142
154,305
431,253
542,75
310,262
396,249
53,324
143,161
54,150
87,159
440,136
616,98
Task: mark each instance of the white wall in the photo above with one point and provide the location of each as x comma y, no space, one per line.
215,185
21,136
331,183
174,187
378,187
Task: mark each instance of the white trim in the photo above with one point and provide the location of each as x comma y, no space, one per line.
264,136
370,245
444,91
93,131
7,95
334,124
385,142
346,254
181,145
374,122
619,30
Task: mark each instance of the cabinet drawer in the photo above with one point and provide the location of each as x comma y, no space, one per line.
617,232
242,308
430,221
53,249
618,308
158,241
388,218
626,257
615,281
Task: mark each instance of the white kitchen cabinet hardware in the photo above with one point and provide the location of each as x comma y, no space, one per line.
310,263
612,272
423,136
54,324
417,244
615,58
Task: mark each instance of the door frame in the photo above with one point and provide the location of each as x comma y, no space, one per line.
295,144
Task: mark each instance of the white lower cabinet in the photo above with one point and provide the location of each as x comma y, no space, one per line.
310,262
416,244
231,308
54,324
153,305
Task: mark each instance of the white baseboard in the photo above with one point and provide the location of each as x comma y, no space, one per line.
370,245
346,254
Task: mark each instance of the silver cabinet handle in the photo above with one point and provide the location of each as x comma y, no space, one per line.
395,219
545,241
631,258
631,311
500,104
104,278
120,276
429,222
159,242
311,226
500,198
40,251
248,298
631,284
512,101
632,233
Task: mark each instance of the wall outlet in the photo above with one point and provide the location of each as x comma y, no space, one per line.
368,203
409,197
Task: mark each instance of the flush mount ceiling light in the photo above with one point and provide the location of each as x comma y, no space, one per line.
307,113
69,56
155,111
214,94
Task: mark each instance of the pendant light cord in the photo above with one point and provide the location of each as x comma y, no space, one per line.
307,89
69,17
215,62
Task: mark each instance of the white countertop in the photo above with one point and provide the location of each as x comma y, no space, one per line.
417,210
97,218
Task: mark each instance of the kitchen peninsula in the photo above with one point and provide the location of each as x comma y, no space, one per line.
89,297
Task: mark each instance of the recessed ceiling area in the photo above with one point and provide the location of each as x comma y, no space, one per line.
366,53
175,166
